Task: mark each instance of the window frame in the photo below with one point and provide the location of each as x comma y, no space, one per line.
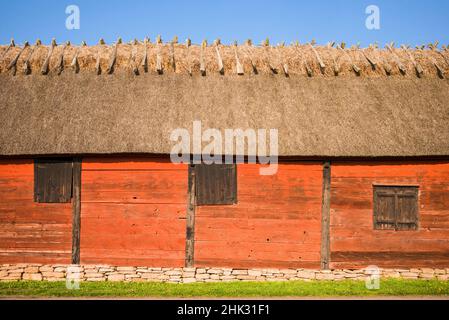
397,191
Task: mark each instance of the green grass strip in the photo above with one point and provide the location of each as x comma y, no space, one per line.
388,287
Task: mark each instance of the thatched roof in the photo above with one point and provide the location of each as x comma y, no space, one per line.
160,58
126,98
318,116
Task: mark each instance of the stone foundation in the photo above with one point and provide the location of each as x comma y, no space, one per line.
38,272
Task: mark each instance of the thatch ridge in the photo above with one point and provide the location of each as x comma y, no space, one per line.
180,58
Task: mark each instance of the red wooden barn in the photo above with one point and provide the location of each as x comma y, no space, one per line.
86,176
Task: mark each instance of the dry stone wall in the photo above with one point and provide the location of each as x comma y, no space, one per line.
38,272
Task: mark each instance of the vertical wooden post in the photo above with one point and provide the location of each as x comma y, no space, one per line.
325,216
190,223
76,211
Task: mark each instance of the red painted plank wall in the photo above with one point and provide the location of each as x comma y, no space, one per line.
31,232
276,223
133,212
354,243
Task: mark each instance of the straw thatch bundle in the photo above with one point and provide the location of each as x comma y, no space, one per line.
212,59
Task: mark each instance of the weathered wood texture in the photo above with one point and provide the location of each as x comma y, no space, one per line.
276,222
31,232
76,211
325,216
190,222
133,212
355,243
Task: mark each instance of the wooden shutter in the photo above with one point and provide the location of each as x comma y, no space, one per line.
53,180
216,184
396,207
407,216
384,208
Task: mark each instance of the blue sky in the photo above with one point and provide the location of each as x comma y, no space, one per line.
403,21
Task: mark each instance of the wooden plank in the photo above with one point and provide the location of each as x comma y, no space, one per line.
76,211
30,232
190,223
325,216
276,222
353,204
133,211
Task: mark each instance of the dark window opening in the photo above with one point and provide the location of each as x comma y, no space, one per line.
53,180
215,184
396,207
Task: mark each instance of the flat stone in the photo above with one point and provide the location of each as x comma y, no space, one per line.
60,269
427,270
215,271
155,269
32,276
200,270
188,280
116,277
126,269
227,278
16,270
443,277
305,275
202,276
189,269
325,276
349,275
31,270
239,272
150,276
288,271
53,274
173,273
93,275
391,275
427,276
255,273
188,274
409,275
